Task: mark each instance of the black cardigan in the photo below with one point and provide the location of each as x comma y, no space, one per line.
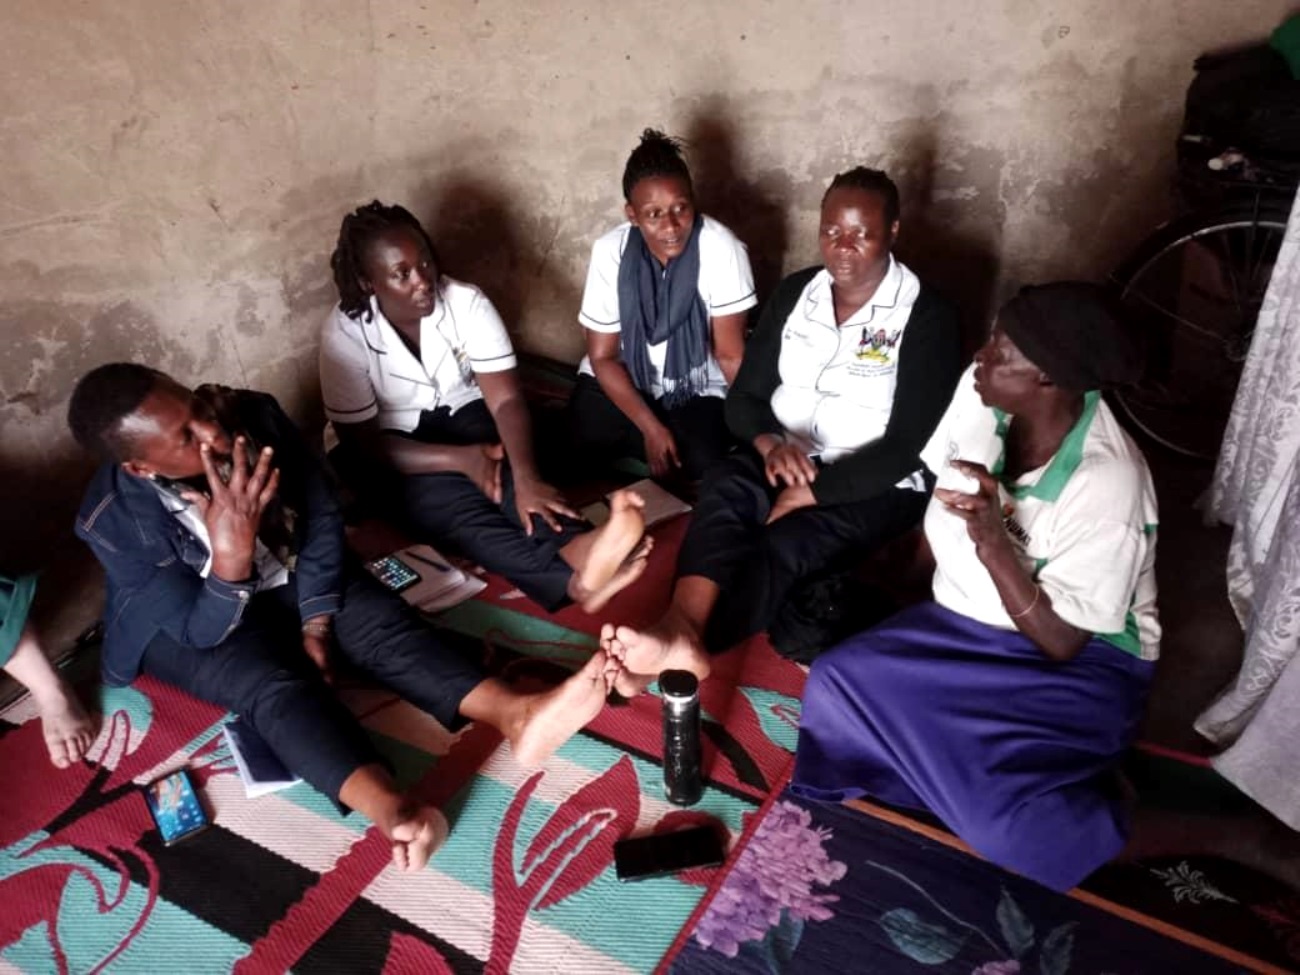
930,363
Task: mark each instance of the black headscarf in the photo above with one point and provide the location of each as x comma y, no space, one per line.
1072,330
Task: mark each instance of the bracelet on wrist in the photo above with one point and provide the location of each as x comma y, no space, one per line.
1038,591
317,628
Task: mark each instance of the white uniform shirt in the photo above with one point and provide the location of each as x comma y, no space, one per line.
367,370
726,284
1083,524
271,572
837,381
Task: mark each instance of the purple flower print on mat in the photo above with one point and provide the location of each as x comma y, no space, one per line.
771,886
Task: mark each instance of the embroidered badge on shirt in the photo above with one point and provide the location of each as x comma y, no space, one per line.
877,345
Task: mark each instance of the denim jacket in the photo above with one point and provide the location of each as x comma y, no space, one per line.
153,562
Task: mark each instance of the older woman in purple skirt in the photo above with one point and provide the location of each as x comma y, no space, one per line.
1004,705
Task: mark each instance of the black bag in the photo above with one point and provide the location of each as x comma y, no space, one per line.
824,610
1245,100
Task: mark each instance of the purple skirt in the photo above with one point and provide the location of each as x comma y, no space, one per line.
1014,752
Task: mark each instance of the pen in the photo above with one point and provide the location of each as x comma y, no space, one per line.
440,566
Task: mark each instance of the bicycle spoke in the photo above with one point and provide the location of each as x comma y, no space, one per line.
1228,269
1267,255
1210,334
1197,286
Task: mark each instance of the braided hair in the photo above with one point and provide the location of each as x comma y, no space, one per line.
361,228
102,399
873,181
658,155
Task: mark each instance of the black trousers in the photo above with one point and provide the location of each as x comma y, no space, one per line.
262,674
450,512
756,565
602,433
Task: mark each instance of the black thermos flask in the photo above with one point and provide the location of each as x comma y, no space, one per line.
683,783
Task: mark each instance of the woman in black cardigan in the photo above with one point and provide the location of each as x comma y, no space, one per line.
841,385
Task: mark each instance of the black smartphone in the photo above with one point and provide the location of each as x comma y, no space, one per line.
175,807
665,853
393,572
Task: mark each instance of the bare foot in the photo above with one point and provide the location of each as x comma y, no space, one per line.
671,644
553,717
628,684
416,836
611,545
69,730
627,573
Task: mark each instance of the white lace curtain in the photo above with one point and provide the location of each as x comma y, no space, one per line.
1256,489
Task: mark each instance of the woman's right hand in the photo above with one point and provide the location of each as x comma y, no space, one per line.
483,467
232,512
660,449
784,463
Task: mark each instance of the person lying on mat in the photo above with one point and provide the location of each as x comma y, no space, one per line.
1004,705
664,312
420,385
843,380
228,578
68,728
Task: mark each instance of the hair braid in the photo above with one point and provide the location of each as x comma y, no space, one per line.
657,155
359,230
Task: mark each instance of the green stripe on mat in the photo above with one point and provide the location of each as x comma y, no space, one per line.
525,634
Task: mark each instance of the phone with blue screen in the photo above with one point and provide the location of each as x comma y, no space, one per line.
175,807
393,572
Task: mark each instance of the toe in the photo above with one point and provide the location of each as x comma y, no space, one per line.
59,754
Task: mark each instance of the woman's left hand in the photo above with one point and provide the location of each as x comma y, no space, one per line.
536,497
982,511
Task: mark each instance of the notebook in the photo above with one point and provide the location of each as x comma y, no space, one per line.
660,505
260,769
441,584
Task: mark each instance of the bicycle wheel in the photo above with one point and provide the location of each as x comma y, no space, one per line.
1195,288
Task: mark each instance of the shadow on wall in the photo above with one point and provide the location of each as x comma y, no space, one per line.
481,238
38,504
950,243
754,215
937,242
52,345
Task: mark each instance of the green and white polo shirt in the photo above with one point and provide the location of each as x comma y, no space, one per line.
1083,524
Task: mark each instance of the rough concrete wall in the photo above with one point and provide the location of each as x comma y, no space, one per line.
175,172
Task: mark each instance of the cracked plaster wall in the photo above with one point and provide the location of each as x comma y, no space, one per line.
176,171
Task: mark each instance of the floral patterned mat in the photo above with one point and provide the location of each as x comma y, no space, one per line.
823,888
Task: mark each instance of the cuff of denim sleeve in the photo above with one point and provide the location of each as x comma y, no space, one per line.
326,605
241,591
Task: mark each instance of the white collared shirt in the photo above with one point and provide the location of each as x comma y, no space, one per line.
837,381
726,284
367,370
270,571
